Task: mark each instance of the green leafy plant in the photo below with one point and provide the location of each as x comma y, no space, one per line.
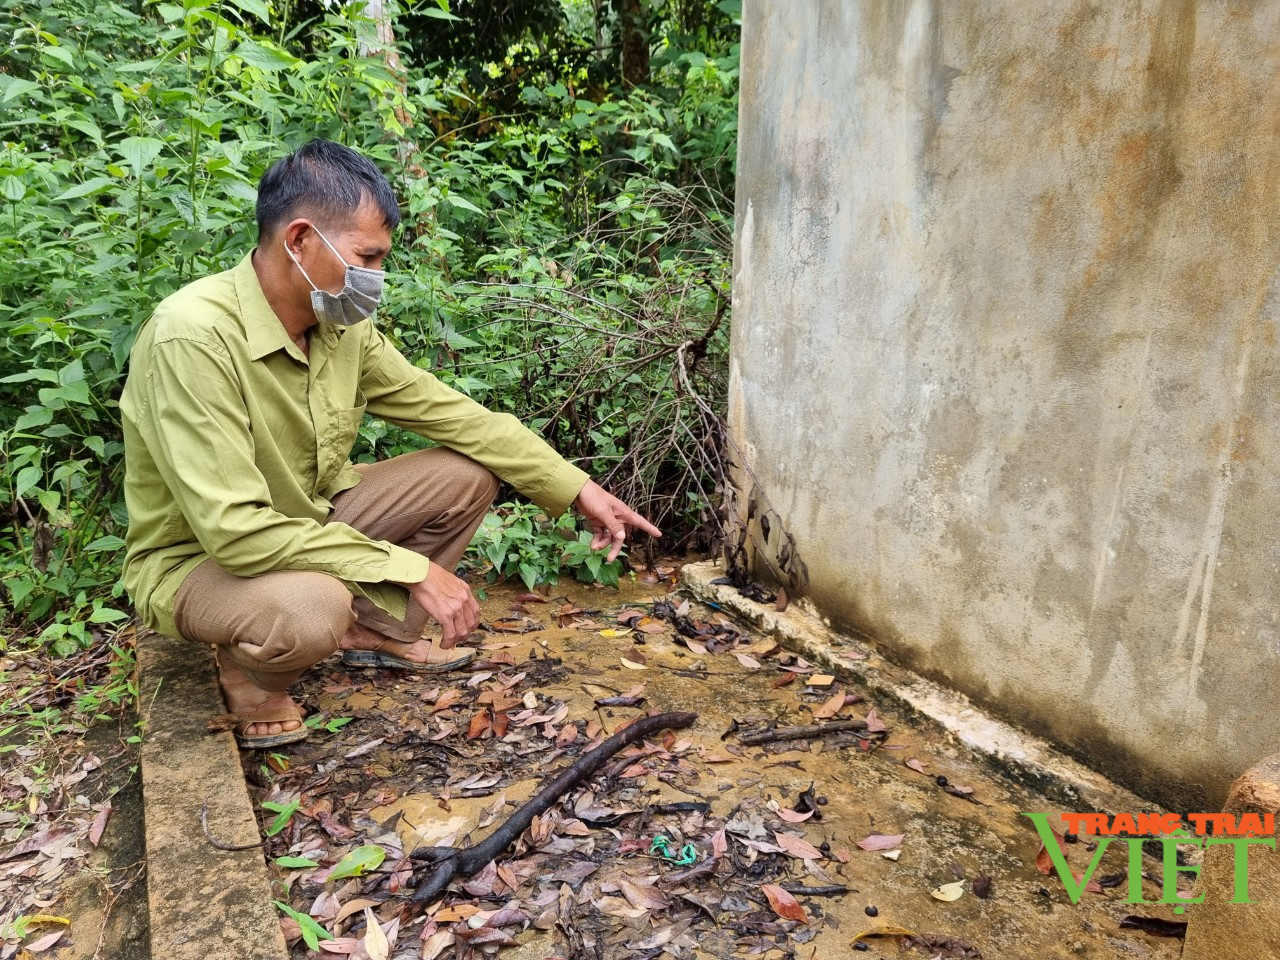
319,721
312,932
519,540
284,813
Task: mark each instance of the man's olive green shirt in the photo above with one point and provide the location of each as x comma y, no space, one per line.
236,443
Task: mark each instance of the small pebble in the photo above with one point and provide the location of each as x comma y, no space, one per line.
942,781
1071,837
861,947
871,912
822,801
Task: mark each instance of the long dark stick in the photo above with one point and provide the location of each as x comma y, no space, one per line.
451,863
797,733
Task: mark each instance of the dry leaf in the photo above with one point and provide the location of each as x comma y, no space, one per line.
915,765
791,816
459,911
485,935
831,707
719,844
99,824
367,747
435,945
637,664
340,945
783,680
874,723
45,942
948,891
798,847
884,931
751,663
1044,863
447,699
880,841
642,896
353,907
784,904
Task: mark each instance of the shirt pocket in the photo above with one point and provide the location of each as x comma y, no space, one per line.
339,437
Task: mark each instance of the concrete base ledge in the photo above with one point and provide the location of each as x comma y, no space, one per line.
1024,757
206,904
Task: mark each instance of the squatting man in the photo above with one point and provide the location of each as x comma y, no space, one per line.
249,528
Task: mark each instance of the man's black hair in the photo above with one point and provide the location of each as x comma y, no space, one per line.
324,180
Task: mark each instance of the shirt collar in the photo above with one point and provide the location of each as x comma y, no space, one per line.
262,328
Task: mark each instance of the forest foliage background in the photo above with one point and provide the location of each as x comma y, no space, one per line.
566,171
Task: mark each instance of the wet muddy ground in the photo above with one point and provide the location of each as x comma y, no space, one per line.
401,762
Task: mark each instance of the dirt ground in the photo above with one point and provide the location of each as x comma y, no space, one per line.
445,759
71,827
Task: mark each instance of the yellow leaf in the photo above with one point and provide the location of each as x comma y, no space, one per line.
461,911
48,918
948,891
375,941
610,632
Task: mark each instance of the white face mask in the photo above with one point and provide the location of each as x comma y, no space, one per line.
361,291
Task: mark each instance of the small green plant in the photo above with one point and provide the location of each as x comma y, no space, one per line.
312,932
519,539
284,813
318,721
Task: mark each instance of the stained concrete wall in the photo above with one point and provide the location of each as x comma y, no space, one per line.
1005,361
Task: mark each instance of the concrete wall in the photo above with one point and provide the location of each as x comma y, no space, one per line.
1005,360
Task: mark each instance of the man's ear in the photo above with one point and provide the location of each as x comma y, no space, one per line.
295,232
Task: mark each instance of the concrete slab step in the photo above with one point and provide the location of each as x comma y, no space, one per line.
206,903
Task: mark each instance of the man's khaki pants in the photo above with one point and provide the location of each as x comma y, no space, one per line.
277,625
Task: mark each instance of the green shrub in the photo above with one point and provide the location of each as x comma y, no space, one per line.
566,260
519,540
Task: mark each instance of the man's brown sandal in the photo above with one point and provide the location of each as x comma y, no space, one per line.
247,718
265,741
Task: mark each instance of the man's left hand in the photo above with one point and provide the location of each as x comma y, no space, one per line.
610,519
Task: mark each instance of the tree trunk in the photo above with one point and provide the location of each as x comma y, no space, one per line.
378,39
634,24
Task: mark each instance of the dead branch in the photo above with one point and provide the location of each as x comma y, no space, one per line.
451,862
800,890
218,844
801,733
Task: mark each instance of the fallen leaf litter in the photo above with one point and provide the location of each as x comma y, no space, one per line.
443,761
